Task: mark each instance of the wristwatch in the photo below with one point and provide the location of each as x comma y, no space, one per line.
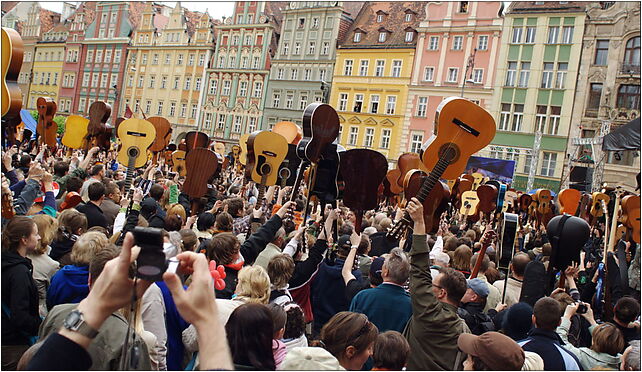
75,322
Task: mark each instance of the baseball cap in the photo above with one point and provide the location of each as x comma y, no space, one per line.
478,286
375,270
497,351
344,241
310,359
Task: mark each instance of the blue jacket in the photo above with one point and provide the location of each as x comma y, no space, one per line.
68,285
548,345
175,325
328,292
387,306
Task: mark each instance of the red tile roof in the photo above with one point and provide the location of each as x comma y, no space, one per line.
48,19
353,7
136,9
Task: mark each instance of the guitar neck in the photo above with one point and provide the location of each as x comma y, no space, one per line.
429,184
259,200
129,175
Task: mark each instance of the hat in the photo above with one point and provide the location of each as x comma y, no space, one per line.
309,359
478,286
375,270
517,321
497,351
344,242
56,190
72,199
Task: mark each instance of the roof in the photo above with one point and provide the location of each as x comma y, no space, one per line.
8,5
353,7
546,7
394,23
191,20
48,19
136,9
273,9
160,21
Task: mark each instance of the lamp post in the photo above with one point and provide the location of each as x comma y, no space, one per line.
325,87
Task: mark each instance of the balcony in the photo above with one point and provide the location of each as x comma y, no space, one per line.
628,69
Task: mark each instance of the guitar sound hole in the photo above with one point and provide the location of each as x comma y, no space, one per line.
133,152
449,152
265,169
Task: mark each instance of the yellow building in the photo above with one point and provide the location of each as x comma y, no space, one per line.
47,65
165,71
372,75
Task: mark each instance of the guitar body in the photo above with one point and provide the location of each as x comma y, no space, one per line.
569,200
265,152
243,149
436,202
75,131
469,205
194,139
501,197
178,160
478,178
487,195
163,133
631,215
525,202
98,132
329,184
47,129
392,178
289,130
320,128
511,201
461,186
463,127
584,206
544,199
406,163
12,55
596,206
136,136
201,164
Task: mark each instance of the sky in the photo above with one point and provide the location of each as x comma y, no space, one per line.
216,9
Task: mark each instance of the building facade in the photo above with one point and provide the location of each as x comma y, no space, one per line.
607,94
535,89
49,56
303,66
165,72
372,76
457,52
237,79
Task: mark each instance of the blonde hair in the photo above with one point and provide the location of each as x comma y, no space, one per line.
86,247
47,228
254,285
177,209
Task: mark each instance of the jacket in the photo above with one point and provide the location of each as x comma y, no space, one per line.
44,268
513,291
110,211
95,215
328,292
476,319
175,325
105,350
68,285
380,245
62,181
58,353
589,359
20,296
434,327
549,346
387,306
266,255
494,296
23,202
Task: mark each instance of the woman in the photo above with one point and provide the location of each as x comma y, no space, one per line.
71,224
224,222
461,259
44,267
249,334
20,318
350,337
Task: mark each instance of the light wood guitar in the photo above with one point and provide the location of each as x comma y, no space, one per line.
75,131
265,153
289,130
136,136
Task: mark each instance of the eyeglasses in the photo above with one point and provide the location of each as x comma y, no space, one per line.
438,286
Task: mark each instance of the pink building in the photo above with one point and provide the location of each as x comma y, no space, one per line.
458,44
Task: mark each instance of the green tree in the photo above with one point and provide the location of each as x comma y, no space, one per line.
58,119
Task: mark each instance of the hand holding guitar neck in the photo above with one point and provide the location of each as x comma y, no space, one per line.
416,211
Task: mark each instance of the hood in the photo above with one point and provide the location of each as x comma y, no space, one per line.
11,259
601,358
334,271
74,275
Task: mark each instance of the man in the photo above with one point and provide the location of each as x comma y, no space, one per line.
388,305
62,174
494,296
272,249
91,209
106,348
111,204
379,243
150,208
631,356
434,327
626,310
514,288
472,308
543,339
96,175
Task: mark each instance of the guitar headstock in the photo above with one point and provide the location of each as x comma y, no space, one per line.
398,229
489,236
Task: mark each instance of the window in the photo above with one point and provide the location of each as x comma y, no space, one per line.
188,82
524,74
297,48
374,103
208,121
530,34
130,81
315,22
294,74
561,75
248,40
367,140
276,99
179,60
183,110
379,18
632,52
458,42
255,62
595,96
99,57
108,56
567,34
357,37
243,88
517,35
301,22
548,164
552,34
540,118
429,73
511,72
385,138
601,52
307,74
232,62
363,68
326,48
518,118
304,101
289,99
201,59
190,60
452,74
422,105
148,106
235,40
251,126
352,137
141,81
193,112
322,74
238,122
177,82
482,42
221,62
433,44
279,74
391,105
258,89
504,116
343,101
159,111
416,142
152,81
628,97
396,68
478,75
312,47
382,36
82,104
347,67
172,109
463,7
409,36
381,64
197,84
286,48
358,102
554,120
117,55
547,75
220,124
408,17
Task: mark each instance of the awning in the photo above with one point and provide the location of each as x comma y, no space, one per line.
626,137
30,122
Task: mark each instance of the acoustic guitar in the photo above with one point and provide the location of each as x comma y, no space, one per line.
201,165
434,205
461,186
511,201
12,54
463,128
163,133
265,153
178,162
47,129
243,149
98,132
486,239
582,210
569,200
136,135
392,180
596,207
289,130
75,131
478,179
544,199
320,128
487,195
194,139
469,206
631,215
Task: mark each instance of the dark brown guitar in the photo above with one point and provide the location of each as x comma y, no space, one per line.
434,204
99,133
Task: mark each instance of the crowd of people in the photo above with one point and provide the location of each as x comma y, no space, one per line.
257,287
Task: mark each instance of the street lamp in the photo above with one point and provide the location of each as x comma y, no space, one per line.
325,87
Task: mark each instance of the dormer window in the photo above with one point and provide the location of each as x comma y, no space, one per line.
382,36
408,17
409,36
379,18
357,37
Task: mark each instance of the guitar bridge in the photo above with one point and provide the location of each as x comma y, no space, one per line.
466,127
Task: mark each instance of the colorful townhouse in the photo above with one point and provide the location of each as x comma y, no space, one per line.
457,50
372,76
104,55
237,78
47,65
71,75
537,72
607,96
303,66
165,72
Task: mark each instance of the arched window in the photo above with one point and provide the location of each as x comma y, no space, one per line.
632,53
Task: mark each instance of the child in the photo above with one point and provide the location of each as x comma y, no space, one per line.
278,347
390,352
